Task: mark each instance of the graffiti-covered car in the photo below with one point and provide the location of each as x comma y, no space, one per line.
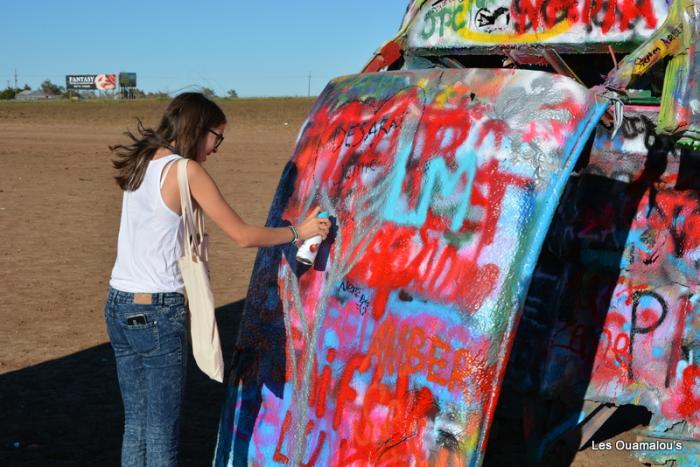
515,204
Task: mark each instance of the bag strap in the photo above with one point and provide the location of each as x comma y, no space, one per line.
165,172
192,219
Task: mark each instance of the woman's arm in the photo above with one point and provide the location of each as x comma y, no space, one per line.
207,194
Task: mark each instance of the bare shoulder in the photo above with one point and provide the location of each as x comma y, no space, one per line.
199,177
195,169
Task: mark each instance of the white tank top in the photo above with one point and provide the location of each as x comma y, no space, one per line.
150,236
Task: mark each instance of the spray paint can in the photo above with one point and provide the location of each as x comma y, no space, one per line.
308,250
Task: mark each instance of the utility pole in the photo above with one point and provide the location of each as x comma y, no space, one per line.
308,91
15,78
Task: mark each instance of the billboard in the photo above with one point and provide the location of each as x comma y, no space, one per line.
127,80
102,82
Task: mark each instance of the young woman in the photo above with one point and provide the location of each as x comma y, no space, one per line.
145,310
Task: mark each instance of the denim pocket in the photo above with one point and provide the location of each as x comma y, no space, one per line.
143,338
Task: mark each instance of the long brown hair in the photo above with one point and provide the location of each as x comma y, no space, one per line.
186,120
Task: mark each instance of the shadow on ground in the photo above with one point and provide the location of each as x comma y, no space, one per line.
68,411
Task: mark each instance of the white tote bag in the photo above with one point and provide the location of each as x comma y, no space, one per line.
195,273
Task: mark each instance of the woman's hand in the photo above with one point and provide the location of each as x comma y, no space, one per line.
312,226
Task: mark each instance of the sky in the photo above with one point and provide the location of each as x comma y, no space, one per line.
256,48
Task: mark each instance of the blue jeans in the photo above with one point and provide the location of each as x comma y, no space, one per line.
150,346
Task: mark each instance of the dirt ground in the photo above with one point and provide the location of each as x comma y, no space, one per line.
59,218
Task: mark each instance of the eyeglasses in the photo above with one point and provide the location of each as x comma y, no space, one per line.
219,138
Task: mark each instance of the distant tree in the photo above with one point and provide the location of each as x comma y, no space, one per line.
208,92
231,94
26,87
8,93
47,87
159,95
